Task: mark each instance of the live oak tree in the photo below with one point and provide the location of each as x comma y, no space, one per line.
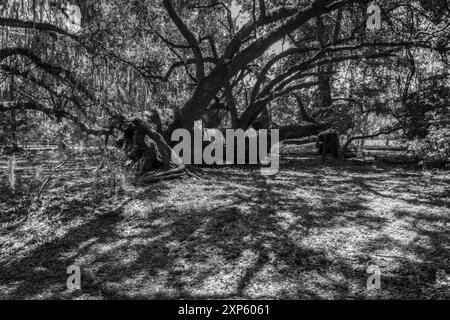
206,59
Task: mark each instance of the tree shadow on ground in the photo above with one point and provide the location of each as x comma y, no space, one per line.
308,233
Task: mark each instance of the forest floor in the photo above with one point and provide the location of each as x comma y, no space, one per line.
311,232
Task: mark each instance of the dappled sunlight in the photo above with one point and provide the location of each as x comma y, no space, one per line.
309,232
224,150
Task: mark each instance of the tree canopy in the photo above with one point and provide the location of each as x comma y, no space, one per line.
309,64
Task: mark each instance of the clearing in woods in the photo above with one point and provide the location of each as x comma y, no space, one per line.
310,232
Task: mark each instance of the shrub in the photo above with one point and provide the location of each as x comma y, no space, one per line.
434,149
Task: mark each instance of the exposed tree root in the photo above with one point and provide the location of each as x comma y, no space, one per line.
166,175
189,172
144,155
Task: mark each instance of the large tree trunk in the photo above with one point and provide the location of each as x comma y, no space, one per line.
205,92
251,114
231,105
328,143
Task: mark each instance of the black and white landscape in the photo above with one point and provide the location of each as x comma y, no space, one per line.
224,149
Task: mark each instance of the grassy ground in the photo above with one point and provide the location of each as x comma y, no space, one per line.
310,232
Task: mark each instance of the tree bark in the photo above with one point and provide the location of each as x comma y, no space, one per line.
231,105
205,92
